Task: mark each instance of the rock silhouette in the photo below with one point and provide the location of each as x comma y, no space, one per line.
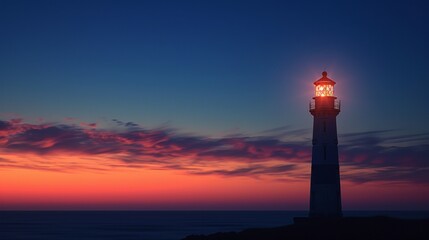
348,228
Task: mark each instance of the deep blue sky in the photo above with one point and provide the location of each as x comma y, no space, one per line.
215,67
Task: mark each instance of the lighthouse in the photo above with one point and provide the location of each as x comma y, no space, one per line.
325,191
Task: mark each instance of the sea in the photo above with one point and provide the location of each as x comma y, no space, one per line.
149,225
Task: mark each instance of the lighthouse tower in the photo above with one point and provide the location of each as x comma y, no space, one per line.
325,192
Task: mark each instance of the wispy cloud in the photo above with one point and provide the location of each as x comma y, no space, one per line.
382,155
281,153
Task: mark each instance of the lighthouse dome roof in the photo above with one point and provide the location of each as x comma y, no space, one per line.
324,80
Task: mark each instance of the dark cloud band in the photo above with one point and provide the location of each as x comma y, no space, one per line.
378,155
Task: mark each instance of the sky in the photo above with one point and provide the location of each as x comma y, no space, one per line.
188,105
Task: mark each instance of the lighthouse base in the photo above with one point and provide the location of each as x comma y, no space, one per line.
325,201
325,194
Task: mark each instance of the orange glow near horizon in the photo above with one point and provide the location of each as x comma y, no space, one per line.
147,189
62,180
54,167
143,189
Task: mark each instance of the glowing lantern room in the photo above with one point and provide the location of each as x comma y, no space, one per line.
324,87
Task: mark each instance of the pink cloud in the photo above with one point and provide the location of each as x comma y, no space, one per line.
135,146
